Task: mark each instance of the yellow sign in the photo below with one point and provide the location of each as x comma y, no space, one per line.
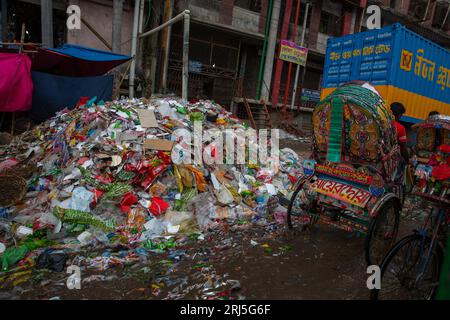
291,52
406,60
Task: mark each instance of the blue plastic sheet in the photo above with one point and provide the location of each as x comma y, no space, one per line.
52,93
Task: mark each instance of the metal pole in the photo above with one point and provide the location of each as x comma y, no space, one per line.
268,65
98,35
184,90
263,55
294,35
133,48
236,75
165,24
361,21
185,77
140,28
297,70
167,49
280,63
446,17
47,23
141,16
117,25
426,11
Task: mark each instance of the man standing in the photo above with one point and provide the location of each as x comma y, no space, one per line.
398,110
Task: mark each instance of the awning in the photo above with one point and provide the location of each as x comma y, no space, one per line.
75,61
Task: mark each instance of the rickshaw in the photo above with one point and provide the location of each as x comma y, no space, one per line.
412,268
354,180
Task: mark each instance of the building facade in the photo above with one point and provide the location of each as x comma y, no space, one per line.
228,39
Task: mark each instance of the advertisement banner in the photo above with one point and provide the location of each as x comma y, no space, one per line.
291,52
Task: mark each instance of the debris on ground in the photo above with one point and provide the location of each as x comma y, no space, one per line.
98,187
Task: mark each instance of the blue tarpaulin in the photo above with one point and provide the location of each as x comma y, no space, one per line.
52,93
75,61
88,53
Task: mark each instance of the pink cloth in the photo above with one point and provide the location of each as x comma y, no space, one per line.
16,86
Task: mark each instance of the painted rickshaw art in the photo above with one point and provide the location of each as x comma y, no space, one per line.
417,266
354,181
432,169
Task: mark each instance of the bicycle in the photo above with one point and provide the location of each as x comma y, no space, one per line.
411,269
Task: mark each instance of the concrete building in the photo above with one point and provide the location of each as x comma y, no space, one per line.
429,18
95,27
227,38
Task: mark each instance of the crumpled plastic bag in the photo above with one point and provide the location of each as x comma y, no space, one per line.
14,254
154,228
179,221
224,195
158,206
204,208
166,111
52,259
81,199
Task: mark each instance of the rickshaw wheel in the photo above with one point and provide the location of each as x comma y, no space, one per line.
382,233
312,207
291,205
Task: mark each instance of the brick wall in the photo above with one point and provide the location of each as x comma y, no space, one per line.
263,16
346,23
314,24
402,6
226,11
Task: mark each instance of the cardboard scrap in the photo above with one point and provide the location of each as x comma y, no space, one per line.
147,118
158,144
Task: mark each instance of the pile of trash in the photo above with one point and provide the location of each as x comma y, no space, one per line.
102,175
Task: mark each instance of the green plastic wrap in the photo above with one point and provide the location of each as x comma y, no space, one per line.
14,254
81,217
163,245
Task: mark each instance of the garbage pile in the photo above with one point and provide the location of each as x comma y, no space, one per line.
102,175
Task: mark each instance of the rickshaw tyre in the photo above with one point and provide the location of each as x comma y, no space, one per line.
291,203
374,294
396,205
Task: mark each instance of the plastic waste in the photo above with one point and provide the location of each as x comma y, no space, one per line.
166,111
85,237
224,195
154,228
23,232
204,208
81,199
54,260
76,216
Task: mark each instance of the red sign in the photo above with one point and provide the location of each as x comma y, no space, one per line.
341,191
